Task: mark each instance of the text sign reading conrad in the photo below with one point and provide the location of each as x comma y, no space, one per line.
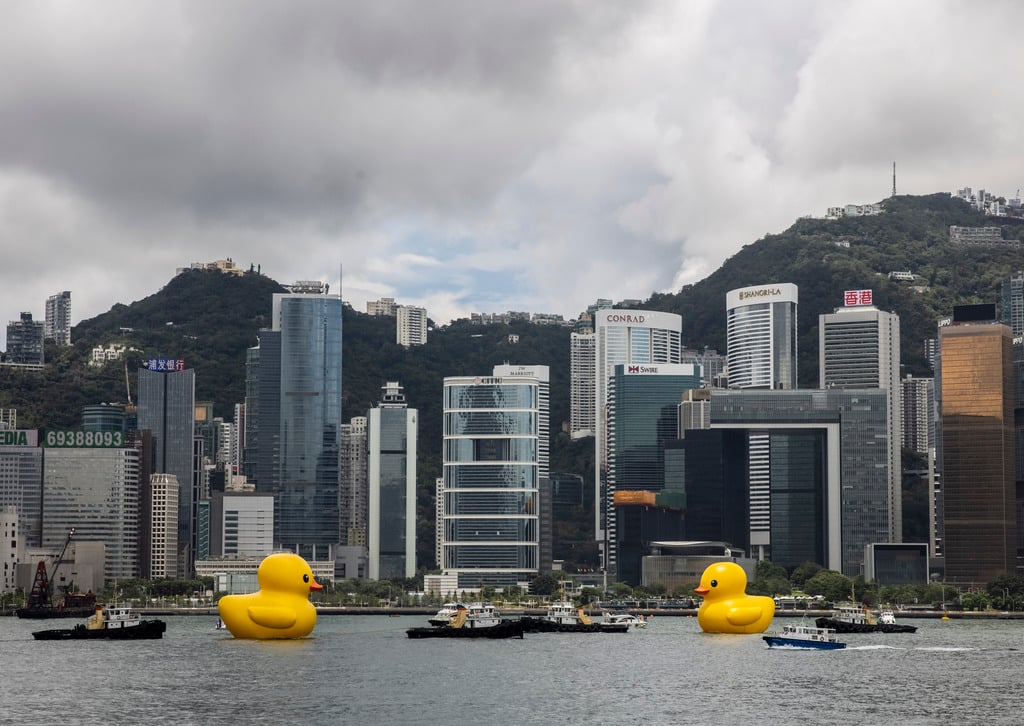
78,439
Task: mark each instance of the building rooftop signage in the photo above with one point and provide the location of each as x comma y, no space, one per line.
79,439
19,437
165,364
857,297
775,292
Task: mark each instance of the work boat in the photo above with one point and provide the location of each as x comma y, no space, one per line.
114,623
564,617
853,619
477,620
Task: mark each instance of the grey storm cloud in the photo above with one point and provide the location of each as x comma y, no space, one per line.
474,155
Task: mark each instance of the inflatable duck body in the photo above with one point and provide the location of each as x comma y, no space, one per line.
281,607
727,608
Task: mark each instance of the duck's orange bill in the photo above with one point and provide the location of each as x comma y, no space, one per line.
315,586
701,589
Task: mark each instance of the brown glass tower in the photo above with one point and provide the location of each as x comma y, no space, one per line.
977,451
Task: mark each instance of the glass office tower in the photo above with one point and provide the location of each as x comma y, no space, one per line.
391,476
293,440
977,452
493,462
167,400
762,336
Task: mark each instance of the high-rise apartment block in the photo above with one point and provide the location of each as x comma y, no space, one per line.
58,318
496,433
391,478
859,348
162,547
919,414
977,394
581,384
1011,309
761,325
293,413
623,337
410,325
385,306
354,488
25,341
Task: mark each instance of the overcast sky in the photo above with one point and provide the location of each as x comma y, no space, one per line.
465,155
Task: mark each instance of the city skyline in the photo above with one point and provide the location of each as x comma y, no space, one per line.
463,161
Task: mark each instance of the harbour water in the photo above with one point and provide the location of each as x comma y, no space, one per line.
363,670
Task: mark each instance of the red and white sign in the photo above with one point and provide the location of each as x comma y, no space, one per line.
856,297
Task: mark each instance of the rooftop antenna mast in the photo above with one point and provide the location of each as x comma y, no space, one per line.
894,178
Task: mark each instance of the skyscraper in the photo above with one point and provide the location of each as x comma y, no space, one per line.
643,403
495,453
623,337
58,318
167,395
95,490
859,348
761,333
294,428
391,476
918,414
977,451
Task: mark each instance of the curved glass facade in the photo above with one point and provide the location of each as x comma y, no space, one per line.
493,462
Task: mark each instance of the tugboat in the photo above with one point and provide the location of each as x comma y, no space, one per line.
851,619
564,617
40,604
116,623
483,623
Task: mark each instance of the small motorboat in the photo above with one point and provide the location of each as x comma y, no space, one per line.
628,619
808,637
444,615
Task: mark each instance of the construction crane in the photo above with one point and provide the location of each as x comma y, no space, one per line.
40,599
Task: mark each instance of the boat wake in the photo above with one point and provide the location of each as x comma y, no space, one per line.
947,649
873,647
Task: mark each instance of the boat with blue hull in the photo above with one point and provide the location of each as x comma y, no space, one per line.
807,637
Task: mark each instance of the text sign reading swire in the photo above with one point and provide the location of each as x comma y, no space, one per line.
78,439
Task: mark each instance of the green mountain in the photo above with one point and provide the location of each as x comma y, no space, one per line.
210,319
825,257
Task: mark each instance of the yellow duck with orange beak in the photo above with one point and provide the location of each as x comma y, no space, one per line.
727,607
281,608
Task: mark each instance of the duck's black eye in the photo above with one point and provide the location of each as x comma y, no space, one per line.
714,583
305,578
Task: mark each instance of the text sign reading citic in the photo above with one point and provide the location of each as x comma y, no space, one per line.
78,439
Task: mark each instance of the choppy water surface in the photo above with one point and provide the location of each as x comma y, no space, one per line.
363,670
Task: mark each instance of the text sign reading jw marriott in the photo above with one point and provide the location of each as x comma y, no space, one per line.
78,439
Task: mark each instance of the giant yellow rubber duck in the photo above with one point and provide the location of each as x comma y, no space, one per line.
281,608
727,607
